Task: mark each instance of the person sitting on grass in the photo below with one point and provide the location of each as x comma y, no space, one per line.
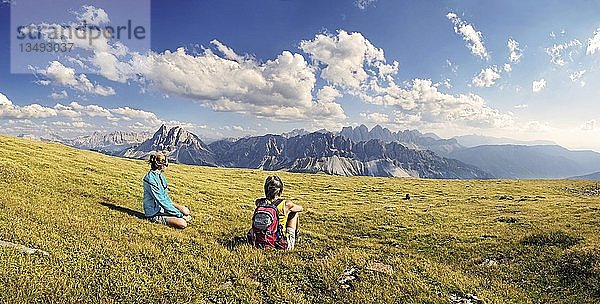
158,206
270,214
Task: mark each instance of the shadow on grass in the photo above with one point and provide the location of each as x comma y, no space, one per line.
234,242
124,210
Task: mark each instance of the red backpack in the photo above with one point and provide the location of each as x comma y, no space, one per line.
266,231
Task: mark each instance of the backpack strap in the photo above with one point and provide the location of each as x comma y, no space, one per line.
275,205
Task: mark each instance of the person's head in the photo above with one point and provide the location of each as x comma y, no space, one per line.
158,161
273,187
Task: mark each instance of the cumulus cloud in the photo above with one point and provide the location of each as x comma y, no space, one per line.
538,85
560,54
507,67
354,65
79,118
4,101
405,119
61,75
10,110
515,51
376,117
576,77
59,95
218,78
593,43
280,88
285,87
348,60
521,106
364,4
92,15
589,125
473,37
423,99
487,77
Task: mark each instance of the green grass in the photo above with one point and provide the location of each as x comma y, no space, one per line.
543,239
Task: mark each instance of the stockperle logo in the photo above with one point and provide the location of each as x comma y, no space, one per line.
76,31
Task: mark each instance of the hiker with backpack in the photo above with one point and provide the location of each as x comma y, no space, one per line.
158,206
271,213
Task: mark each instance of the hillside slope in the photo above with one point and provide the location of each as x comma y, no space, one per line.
516,161
503,241
594,176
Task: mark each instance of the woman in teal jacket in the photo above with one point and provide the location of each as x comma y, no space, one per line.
158,206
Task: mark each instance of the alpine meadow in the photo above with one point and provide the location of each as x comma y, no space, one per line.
362,239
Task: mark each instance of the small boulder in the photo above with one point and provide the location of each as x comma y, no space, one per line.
347,278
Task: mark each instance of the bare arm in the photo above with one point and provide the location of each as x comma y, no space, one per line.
291,207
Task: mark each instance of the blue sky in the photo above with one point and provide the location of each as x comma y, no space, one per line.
256,67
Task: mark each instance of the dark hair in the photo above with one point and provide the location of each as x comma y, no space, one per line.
157,160
273,187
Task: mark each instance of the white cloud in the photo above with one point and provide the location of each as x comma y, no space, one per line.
593,43
59,74
452,66
561,53
473,37
576,77
447,83
537,127
589,125
280,88
351,63
10,110
515,51
422,98
521,106
59,95
77,118
487,77
349,60
92,15
405,119
364,4
507,67
4,101
538,85
376,117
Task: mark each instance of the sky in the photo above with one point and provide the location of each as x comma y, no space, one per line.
527,70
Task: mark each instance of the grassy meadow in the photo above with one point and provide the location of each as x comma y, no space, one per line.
503,241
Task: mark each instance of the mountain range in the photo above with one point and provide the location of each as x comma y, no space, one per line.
317,152
178,144
529,162
112,143
478,140
593,176
353,151
412,139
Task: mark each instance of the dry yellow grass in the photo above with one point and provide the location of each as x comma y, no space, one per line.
504,241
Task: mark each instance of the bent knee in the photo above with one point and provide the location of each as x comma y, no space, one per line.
182,224
178,223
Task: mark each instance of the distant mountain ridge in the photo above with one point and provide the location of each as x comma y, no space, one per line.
178,144
317,152
111,143
530,162
594,176
409,138
478,140
108,143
